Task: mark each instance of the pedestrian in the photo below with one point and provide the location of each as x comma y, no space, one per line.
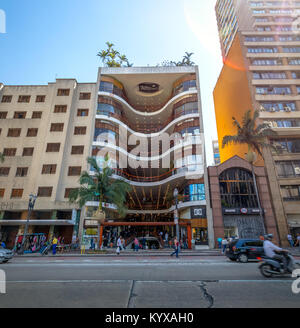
298,240
54,245
219,242
176,247
144,243
136,244
224,244
119,245
92,244
290,240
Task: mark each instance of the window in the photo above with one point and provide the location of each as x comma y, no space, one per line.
237,189
290,193
45,191
6,99
20,115
22,172
80,130
266,62
60,109
67,191
273,90
27,151
16,193
63,92
77,150
9,152
3,115
4,171
82,112
269,75
36,115
32,132
288,168
74,170
2,191
53,147
85,96
279,106
194,192
14,132
57,127
286,145
24,99
40,99
49,169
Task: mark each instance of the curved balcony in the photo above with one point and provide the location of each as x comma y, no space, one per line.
195,171
147,114
181,206
156,131
189,142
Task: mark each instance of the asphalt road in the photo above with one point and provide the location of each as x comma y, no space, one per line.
152,282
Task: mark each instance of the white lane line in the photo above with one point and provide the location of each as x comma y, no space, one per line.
147,281
110,264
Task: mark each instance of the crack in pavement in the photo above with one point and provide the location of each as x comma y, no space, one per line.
207,296
131,296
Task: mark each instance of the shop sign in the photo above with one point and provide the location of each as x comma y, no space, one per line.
238,211
198,212
91,223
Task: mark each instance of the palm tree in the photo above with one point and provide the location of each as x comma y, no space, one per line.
113,58
100,187
254,136
1,157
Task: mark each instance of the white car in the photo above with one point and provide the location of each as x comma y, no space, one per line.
5,255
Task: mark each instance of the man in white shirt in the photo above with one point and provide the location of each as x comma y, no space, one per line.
270,248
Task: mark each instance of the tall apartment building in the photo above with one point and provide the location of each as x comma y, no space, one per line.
45,137
149,121
260,43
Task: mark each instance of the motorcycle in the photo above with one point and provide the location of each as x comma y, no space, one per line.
271,267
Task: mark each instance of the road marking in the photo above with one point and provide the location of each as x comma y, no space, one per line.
147,281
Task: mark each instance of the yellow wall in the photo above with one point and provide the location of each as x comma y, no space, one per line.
232,98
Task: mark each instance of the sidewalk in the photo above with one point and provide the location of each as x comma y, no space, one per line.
129,253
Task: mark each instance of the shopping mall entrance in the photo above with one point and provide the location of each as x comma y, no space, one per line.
146,229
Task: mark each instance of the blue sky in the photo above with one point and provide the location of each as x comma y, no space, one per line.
46,39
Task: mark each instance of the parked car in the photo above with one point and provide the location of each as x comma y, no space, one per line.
245,249
5,255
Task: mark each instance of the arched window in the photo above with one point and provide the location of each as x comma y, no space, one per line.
237,189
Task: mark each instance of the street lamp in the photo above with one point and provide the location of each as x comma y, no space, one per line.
32,199
175,194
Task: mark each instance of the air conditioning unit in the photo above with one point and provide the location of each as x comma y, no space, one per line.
273,109
288,109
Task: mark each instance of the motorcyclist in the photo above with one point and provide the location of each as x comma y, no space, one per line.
270,249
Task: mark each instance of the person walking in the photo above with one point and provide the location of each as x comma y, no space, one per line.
54,245
176,246
119,245
136,244
290,240
219,242
224,244
298,240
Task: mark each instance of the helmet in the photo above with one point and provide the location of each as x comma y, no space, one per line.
269,236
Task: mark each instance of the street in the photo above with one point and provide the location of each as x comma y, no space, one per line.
139,282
